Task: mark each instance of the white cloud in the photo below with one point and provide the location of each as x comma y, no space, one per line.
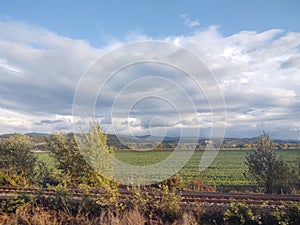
50,66
4,66
17,121
188,22
257,72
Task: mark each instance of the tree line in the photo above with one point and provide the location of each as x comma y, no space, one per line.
20,167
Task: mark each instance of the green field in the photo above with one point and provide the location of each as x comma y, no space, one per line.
226,171
44,157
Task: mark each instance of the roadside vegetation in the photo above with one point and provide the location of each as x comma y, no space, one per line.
141,210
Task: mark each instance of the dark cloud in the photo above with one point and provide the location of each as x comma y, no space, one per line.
293,62
46,121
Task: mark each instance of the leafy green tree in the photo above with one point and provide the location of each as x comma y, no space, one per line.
17,162
71,163
171,146
159,146
93,146
83,158
270,173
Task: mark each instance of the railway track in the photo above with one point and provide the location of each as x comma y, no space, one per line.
214,197
186,197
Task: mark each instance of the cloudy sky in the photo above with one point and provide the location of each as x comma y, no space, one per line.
48,50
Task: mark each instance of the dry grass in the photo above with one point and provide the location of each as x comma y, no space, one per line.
40,216
46,217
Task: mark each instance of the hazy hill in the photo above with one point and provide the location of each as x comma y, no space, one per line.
120,142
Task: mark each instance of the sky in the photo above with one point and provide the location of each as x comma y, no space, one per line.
252,48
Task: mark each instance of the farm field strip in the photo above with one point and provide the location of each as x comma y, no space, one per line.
227,169
226,172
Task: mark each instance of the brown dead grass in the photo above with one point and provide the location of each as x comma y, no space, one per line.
46,217
40,216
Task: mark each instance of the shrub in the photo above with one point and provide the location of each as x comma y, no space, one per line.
198,185
272,215
12,205
169,206
212,215
17,162
240,213
293,214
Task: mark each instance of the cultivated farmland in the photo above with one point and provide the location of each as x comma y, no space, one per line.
227,172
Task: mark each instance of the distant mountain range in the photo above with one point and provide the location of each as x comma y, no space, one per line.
121,141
